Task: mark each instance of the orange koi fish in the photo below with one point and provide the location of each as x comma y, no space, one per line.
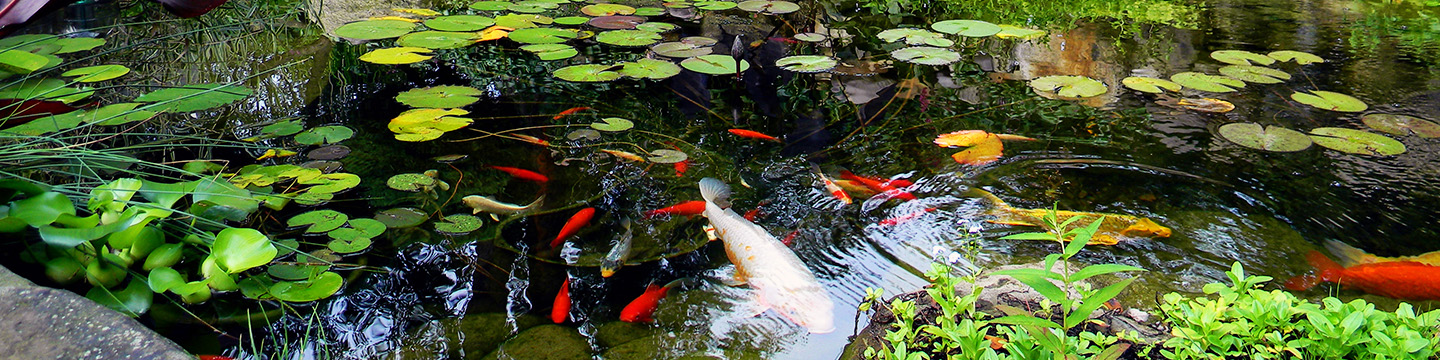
855,188
754,135
531,139
878,186
522,174
1406,280
642,309
1350,256
624,155
789,240
830,186
903,218
562,303
576,222
688,208
681,167
570,111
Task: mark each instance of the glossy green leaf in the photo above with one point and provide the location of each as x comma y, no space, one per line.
613,124
347,240
368,227
97,73
1356,141
607,10
375,29
444,96
1268,138
769,7
401,217
195,97
1068,86
1330,101
397,55
438,39
1025,320
322,286
1301,58
1207,82
42,209
649,69
967,28
459,23
1016,32
1255,74
283,128
239,249
458,224
654,11
1094,301
411,182
714,64
588,73
162,279
331,183
324,135
522,21
667,156
490,5
657,27
1241,57
318,221
629,38
571,20
297,271
915,37
1149,85
806,63
133,300
44,89
164,256
925,55
551,52
21,62
680,49
1396,124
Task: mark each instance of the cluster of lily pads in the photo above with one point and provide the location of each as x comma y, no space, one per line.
932,47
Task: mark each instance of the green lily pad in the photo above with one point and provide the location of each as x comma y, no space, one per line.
1067,86
542,35
1397,124
806,63
297,271
491,5
331,183
1268,138
587,73
613,124
401,217
283,128
667,156
459,23
549,52
1255,74
195,97
1149,85
368,227
679,49
347,241
1241,57
21,62
616,22
925,55
1356,141
438,39
410,182
1330,101
522,21
678,4
113,114
427,124
714,5
76,44
322,286
1302,58
967,28
1016,32
811,37
397,55
444,96
571,20
527,8
375,29
1207,82
239,249
657,27
318,221
769,7
649,69
915,36
458,224
628,37
607,10
324,135
715,64
583,134
650,11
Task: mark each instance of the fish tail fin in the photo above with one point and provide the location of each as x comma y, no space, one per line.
1325,269
1344,253
715,191
535,205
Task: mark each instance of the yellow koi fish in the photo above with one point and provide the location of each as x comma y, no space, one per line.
1349,256
780,280
1116,227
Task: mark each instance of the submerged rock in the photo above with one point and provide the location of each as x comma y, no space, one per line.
552,342
44,323
619,332
482,333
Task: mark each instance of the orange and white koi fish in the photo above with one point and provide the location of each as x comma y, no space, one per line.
688,208
562,303
1114,228
903,218
642,309
780,280
521,174
619,251
1350,256
754,135
570,111
479,204
882,187
1408,280
624,155
830,186
572,226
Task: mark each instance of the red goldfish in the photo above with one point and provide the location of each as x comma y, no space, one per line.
642,309
830,186
752,214
753,135
522,174
531,139
570,111
1406,280
688,208
681,167
903,218
562,303
878,186
576,222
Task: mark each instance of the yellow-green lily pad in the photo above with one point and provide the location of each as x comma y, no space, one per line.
806,63
318,221
396,55
1067,86
925,55
320,287
438,39
460,23
411,182
444,96
347,241
1207,82
542,35
628,37
967,28
1397,124
375,29
549,52
613,124
649,69
97,73
667,156
1016,32
1302,58
1255,74
401,217
1268,138
1356,141
588,73
1241,57
915,37
458,224
1149,85
607,9
715,64
769,7
324,135
1330,101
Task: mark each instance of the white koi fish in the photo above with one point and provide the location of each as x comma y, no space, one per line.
479,204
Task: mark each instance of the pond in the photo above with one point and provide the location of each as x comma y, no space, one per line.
465,292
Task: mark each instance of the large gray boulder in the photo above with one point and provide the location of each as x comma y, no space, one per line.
44,323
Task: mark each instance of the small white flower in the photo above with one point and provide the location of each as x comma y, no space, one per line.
937,250
953,258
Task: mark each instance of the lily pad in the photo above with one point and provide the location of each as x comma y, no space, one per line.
283,128
1207,82
571,20
444,96
374,29
1255,74
616,22
667,156
588,73
1268,138
522,21
1330,101
811,37
1206,105
583,134
1241,57
195,97
398,218
1016,32
324,135
699,40
397,55
549,52
1302,58
1356,141
410,182
613,124
22,62
542,35
607,9
1149,85
1067,86
649,69
458,224
438,39
649,11
714,64
680,49
806,63
628,37
915,36
427,124
322,286
331,152
97,73
715,5
967,28
347,241
491,5
318,221
925,55
421,12
239,249
76,44
657,27
1397,124
297,271
459,23
769,7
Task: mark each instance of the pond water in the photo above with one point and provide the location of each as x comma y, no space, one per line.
1121,152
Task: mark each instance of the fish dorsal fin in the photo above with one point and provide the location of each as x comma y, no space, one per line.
652,288
981,193
715,192
1347,255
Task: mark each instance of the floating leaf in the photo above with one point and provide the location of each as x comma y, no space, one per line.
1330,101
295,271
915,36
679,49
1206,105
239,249
806,63
925,55
459,23
324,135
607,9
347,241
195,97
396,55
649,69
374,29
714,64
1302,58
667,156
44,89
613,124
438,39
588,73
1016,32
444,96
283,128
458,224
1268,138
1241,57
1067,86
1149,85
411,182
76,44
769,7
583,134
320,287
522,21
571,20
400,217
715,5
1356,141
984,148
318,221
967,28
628,37
21,62
542,35
368,227
421,12
1255,74
549,52
113,114
1207,82
427,124
490,5
811,37
657,27
616,22
1397,124
650,11
331,152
